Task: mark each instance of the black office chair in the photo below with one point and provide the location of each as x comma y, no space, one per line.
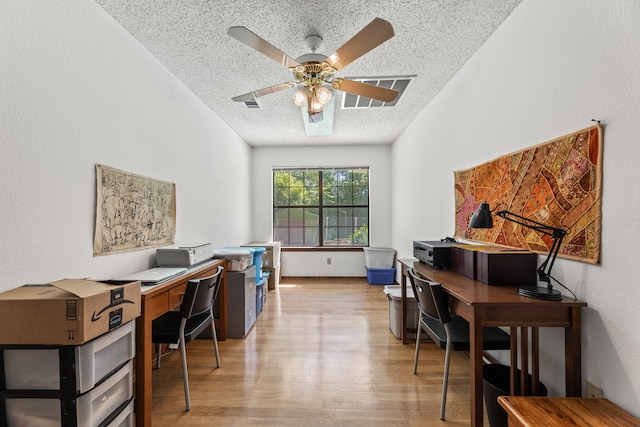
448,331
181,327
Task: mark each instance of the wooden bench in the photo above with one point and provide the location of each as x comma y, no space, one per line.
528,411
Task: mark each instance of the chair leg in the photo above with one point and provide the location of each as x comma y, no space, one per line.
415,357
445,381
185,374
158,355
215,341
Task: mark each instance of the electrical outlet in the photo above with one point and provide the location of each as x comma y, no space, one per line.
328,261
173,346
593,390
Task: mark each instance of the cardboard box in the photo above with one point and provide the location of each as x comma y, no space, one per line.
506,268
66,312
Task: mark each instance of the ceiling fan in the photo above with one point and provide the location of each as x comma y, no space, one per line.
314,73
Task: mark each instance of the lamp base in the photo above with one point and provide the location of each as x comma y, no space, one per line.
539,292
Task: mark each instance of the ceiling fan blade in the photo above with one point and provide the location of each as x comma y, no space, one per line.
252,40
374,34
364,89
262,92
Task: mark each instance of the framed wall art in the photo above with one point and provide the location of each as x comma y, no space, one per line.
133,212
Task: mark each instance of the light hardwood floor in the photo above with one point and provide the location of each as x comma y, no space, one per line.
320,354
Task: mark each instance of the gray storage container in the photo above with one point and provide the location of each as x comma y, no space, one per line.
394,297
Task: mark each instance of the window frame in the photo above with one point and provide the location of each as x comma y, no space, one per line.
320,228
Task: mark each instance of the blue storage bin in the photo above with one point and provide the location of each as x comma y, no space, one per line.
258,253
381,276
260,294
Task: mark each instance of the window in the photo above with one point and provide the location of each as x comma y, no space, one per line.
321,207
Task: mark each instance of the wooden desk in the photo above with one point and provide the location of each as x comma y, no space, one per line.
156,301
564,411
482,305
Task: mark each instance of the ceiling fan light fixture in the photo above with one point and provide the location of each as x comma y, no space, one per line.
322,94
300,97
315,71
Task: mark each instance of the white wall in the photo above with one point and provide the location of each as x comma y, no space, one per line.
549,69
300,264
78,90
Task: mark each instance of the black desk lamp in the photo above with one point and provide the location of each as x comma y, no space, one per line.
483,218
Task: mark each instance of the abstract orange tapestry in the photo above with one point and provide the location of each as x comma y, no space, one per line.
558,183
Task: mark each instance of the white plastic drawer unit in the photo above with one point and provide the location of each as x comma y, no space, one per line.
91,408
124,418
39,368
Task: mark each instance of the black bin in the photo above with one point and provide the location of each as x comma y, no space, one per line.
496,383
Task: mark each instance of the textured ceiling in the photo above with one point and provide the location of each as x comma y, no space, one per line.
433,39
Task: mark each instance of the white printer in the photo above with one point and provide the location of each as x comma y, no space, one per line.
184,256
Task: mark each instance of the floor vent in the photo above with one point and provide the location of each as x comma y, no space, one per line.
350,100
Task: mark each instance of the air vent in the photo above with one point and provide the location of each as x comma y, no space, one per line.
350,100
251,103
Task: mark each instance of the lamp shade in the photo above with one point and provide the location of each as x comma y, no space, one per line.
300,97
323,95
481,218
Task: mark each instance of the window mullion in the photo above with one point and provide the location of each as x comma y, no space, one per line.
320,210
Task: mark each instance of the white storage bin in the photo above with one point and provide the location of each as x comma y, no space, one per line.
125,417
39,369
394,297
99,357
92,408
96,405
239,258
32,369
272,254
33,413
379,257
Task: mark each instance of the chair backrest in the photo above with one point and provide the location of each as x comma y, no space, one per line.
441,301
200,295
420,286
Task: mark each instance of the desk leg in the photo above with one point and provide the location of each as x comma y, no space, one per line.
221,322
475,356
573,355
535,361
513,334
403,293
144,361
524,361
